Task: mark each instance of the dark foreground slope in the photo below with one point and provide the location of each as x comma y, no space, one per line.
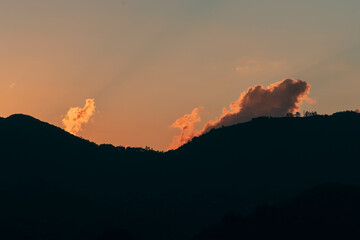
328,211
58,185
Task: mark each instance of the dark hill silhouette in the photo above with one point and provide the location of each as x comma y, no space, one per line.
329,211
72,187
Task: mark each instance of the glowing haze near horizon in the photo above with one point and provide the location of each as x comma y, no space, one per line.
148,63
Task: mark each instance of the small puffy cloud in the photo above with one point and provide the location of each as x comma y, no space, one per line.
77,116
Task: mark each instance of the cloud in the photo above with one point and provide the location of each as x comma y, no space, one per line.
77,116
12,85
186,125
276,100
239,68
261,66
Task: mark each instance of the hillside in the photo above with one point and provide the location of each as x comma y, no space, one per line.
329,211
72,185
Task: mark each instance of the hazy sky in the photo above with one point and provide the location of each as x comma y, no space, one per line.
148,62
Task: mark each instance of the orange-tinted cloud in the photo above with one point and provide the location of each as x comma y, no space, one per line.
186,125
77,116
239,68
276,100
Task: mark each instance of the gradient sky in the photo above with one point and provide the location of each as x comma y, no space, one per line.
148,62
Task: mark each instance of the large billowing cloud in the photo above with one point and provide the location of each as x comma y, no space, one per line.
77,116
186,125
276,100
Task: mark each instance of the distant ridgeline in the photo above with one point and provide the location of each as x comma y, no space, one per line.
55,185
329,211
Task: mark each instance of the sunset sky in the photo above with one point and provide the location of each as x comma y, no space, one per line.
148,62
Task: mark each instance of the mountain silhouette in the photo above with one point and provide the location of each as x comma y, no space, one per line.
329,211
59,186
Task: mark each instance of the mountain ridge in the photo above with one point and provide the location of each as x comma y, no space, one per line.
175,194
25,120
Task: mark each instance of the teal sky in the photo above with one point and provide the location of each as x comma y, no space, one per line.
148,62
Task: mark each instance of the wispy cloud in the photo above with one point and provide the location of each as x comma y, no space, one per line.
257,66
242,68
186,124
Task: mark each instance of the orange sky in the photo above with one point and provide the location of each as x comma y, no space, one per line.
147,64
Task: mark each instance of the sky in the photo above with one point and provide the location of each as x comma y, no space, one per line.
148,62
